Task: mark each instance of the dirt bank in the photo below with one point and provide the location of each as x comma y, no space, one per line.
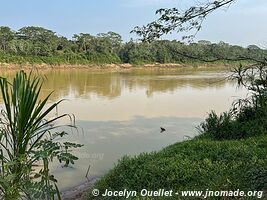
111,67
78,191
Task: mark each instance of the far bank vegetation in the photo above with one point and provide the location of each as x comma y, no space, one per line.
37,45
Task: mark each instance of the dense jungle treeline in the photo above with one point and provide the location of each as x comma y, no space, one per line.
38,45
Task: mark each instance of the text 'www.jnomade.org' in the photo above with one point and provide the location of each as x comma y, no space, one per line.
170,193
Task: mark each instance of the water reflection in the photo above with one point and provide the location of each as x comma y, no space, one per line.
107,141
82,83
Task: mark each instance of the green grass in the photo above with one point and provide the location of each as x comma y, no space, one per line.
197,164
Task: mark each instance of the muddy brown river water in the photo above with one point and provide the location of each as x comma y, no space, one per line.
120,113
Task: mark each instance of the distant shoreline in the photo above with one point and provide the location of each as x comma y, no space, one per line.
111,67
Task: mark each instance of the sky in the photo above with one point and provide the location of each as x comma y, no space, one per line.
243,23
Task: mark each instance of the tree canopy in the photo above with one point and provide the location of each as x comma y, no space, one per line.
39,45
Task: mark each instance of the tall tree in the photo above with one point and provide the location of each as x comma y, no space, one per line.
35,33
113,39
44,42
83,41
6,35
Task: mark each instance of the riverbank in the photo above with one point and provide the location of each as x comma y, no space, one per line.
198,164
111,67
78,191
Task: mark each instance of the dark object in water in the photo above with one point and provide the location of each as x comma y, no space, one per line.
162,129
87,172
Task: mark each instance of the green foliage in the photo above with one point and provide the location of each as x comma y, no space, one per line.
248,117
6,36
37,45
197,164
247,123
28,142
179,20
219,127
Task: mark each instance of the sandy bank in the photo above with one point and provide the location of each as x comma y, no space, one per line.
109,67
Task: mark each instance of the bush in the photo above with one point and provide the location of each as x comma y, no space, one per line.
218,127
252,120
247,121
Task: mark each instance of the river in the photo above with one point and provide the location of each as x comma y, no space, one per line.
120,113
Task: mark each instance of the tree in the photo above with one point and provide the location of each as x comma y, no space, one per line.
204,42
104,48
125,51
173,19
253,46
44,42
113,39
6,35
35,34
83,40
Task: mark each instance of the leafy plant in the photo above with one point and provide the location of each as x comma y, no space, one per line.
28,141
218,127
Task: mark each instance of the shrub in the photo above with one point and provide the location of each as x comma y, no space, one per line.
27,140
219,127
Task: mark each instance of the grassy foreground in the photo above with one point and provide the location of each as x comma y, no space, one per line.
197,164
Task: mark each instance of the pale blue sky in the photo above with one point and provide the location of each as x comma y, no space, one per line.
243,23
